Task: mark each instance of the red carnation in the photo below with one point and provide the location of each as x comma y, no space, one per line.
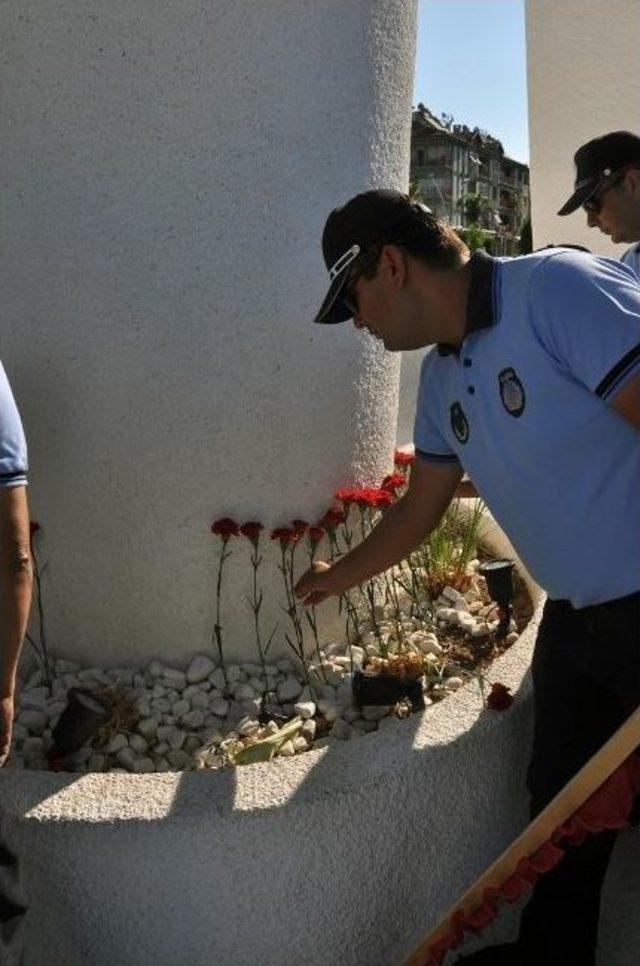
225,528
372,496
347,495
382,498
362,496
315,534
300,527
403,459
251,530
499,698
393,482
284,535
332,518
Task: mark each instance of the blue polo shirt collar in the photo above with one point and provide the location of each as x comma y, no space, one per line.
480,304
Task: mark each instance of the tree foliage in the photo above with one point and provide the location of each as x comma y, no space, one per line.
525,245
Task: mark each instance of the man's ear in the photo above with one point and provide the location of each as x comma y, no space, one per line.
632,179
393,261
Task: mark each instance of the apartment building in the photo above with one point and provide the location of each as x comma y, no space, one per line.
450,162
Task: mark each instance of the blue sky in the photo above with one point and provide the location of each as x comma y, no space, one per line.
471,62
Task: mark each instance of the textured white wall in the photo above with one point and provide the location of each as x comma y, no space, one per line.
168,169
584,80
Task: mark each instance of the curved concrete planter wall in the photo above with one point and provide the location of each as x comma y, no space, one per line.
342,856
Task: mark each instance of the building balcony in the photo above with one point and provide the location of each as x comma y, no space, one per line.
429,167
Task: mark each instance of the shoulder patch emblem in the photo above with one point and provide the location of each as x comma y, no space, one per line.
459,423
512,392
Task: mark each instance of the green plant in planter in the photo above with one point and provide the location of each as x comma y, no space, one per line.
446,554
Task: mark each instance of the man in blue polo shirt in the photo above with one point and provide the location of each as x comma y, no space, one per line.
533,389
607,188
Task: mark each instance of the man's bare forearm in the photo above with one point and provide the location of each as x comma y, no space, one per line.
15,585
432,486
391,540
16,601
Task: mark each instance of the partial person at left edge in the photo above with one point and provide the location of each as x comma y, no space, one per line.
15,556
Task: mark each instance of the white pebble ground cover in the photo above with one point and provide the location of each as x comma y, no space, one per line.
202,715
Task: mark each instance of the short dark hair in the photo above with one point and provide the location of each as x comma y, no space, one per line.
423,236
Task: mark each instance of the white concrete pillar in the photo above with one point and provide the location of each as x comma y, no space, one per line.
168,170
408,393
584,80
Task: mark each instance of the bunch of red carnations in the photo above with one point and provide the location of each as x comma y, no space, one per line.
371,502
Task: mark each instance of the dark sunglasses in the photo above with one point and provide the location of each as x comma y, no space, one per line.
350,298
593,205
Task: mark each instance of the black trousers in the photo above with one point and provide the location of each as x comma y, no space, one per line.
586,677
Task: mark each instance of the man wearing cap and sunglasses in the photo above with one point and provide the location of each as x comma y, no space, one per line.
533,384
607,187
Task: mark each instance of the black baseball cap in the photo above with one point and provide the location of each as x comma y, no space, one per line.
351,232
598,159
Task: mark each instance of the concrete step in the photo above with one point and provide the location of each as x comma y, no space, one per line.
620,913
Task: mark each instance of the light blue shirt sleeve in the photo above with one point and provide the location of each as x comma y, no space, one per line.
585,311
13,447
428,439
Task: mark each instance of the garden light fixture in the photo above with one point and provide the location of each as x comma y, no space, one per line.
81,720
498,574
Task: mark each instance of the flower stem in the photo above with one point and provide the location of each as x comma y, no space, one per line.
44,652
256,560
217,630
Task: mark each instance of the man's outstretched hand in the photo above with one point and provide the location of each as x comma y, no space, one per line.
315,585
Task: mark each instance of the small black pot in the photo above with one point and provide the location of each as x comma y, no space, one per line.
82,718
381,689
